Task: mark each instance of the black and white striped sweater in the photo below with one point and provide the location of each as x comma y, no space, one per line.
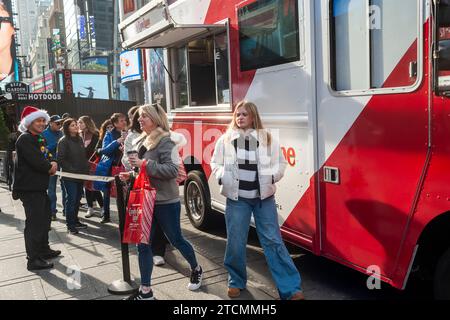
246,148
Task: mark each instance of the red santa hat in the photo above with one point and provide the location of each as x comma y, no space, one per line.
29,114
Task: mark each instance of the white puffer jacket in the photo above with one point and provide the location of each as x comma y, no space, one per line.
270,160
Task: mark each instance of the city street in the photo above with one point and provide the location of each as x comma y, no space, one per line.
96,253
331,116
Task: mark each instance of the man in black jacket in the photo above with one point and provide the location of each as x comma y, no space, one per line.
32,169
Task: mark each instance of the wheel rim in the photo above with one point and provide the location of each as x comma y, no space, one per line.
195,201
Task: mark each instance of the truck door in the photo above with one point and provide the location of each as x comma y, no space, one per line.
372,126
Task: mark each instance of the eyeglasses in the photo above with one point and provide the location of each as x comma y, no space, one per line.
6,19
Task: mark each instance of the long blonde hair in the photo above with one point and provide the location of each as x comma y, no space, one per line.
251,108
156,114
90,124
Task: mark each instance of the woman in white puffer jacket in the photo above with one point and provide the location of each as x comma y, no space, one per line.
247,162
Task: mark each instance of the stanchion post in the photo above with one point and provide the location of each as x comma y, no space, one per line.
126,285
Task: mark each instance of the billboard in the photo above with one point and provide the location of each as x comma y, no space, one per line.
42,84
130,66
82,27
96,63
8,63
92,85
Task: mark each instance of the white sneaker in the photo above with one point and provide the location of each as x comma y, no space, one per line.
90,213
196,279
158,261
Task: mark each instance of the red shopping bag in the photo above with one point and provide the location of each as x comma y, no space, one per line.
139,214
93,161
115,170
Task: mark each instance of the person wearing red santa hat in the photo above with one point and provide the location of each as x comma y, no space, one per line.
33,167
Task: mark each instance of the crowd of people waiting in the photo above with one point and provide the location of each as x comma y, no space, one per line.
147,145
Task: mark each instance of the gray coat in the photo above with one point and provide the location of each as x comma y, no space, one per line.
162,168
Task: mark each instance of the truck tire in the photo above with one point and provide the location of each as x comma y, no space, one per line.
442,277
197,200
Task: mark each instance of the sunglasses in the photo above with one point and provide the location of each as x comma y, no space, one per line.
6,19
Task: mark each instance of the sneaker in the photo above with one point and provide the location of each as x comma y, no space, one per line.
196,279
105,220
158,261
141,296
84,206
72,230
80,225
90,213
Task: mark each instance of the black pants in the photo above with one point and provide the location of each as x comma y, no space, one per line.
37,222
92,196
159,242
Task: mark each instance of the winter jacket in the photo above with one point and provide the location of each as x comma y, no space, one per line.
72,156
110,155
52,138
90,149
270,159
163,160
31,165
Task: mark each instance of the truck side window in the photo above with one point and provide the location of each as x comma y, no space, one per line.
200,71
444,45
268,33
372,45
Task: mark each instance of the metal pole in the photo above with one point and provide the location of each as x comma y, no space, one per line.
115,62
126,285
43,79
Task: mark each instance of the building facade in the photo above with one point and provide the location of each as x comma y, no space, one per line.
89,30
38,56
58,51
28,12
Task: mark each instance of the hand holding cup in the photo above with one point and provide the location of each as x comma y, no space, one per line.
124,176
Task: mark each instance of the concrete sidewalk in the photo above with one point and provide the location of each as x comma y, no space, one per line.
96,253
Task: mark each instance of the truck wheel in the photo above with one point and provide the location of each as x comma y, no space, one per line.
197,200
442,277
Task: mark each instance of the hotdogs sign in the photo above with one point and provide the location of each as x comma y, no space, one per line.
38,96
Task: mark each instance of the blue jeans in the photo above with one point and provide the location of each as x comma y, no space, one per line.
106,201
168,218
64,195
74,191
237,218
52,194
